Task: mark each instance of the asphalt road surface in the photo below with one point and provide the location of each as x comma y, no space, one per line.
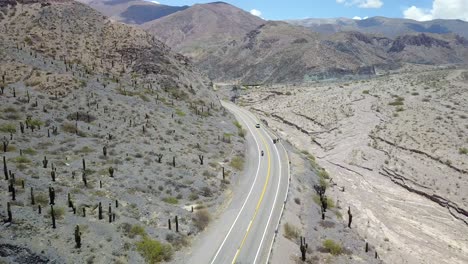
245,231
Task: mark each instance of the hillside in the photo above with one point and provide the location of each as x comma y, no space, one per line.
388,27
132,11
108,117
202,27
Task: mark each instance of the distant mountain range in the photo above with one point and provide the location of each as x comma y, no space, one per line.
132,11
230,44
388,27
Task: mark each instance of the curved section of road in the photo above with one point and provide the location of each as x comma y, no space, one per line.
245,232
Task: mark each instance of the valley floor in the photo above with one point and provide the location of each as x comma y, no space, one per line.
395,148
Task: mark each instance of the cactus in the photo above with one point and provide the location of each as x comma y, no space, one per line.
52,213
303,248
224,177
201,159
104,151
6,142
100,211
110,213
100,184
33,202
22,184
84,165
77,236
116,203
22,127
83,177
177,224
350,217
160,156
10,216
5,168
367,247
173,161
84,211
39,209
13,193
51,195
45,162
111,172
52,174
169,224
70,202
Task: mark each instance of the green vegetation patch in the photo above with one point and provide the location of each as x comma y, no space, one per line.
154,251
8,128
332,247
171,200
237,163
290,231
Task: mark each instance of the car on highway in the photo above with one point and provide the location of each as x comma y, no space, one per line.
257,125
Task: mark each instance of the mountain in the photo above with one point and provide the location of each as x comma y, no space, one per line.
279,52
132,11
103,128
388,27
202,27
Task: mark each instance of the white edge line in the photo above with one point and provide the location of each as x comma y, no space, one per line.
245,202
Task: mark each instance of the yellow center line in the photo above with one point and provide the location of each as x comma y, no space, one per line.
259,201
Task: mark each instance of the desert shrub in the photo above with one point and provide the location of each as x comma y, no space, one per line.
7,128
463,151
9,109
179,112
330,202
85,149
30,151
21,160
290,231
136,230
237,124
202,219
193,196
35,122
365,92
398,101
59,212
41,198
69,127
332,247
171,200
154,251
237,163
297,200
323,174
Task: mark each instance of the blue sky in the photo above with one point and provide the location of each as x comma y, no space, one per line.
277,10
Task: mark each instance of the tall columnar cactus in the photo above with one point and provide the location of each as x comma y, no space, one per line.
52,213
45,162
169,224
160,156
70,202
110,213
77,237
10,216
177,224
52,174
173,161
303,248
104,151
84,211
201,159
5,168
51,195
84,165
22,127
224,177
83,177
33,201
111,172
100,211
13,192
350,217
5,142
39,209
367,247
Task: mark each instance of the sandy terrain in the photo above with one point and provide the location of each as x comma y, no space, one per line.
397,145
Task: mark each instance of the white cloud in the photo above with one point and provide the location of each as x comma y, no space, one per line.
444,9
255,12
360,18
154,2
362,3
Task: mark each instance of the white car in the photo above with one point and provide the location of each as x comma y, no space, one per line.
257,125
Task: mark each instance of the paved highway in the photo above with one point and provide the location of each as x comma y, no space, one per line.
244,232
